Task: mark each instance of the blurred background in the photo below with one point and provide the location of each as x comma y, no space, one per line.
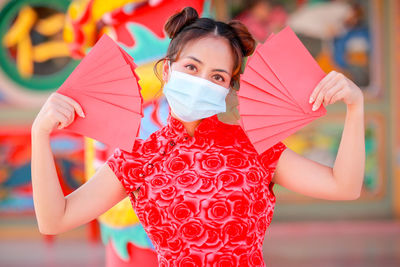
42,41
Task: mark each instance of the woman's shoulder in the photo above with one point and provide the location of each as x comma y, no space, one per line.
269,158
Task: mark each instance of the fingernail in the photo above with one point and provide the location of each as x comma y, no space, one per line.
82,115
311,100
314,108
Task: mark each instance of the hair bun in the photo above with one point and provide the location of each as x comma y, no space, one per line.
246,39
178,21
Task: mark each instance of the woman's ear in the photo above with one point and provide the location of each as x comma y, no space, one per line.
165,71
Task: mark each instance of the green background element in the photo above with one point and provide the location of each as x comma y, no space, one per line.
36,82
121,236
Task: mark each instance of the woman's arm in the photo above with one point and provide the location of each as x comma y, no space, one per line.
54,212
343,181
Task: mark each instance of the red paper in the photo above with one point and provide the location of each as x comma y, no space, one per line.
253,92
273,139
132,103
273,100
265,74
123,86
254,107
106,86
107,123
293,65
260,134
258,121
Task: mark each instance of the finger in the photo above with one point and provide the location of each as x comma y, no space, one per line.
320,85
59,118
64,104
333,81
71,118
66,113
337,79
331,92
75,104
339,95
320,98
69,111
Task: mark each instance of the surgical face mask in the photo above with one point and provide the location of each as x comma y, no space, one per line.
192,98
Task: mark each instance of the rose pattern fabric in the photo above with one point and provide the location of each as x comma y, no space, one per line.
205,200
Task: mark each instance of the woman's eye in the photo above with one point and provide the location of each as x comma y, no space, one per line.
219,78
190,67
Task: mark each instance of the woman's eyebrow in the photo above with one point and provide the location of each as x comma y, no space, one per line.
220,70
198,60
195,59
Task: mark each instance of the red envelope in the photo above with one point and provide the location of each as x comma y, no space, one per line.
261,75
127,86
294,66
254,107
129,102
106,86
257,80
123,72
95,57
273,139
254,92
270,120
257,135
273,101
112,125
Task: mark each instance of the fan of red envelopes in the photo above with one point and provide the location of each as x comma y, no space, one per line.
275,89
106,86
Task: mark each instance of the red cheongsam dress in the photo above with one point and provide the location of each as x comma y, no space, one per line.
205,200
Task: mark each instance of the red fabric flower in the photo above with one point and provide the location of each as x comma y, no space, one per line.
205,200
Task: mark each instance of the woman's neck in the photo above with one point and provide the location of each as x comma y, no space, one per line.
189,126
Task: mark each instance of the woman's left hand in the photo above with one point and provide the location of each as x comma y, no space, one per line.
333,87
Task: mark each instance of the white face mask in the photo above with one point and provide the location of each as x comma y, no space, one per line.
192,98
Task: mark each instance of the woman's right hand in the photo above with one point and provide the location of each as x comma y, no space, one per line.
58,111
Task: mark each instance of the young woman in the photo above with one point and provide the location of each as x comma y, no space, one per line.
203,194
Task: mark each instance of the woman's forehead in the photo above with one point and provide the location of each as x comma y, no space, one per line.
211,51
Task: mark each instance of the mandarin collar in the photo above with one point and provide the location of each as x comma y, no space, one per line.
206,125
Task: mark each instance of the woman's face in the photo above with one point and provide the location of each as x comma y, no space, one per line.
208,58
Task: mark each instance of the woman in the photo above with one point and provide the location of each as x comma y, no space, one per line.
201,191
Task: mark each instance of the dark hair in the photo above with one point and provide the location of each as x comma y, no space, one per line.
186,26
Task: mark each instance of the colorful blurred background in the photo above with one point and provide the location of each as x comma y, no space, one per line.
42,41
